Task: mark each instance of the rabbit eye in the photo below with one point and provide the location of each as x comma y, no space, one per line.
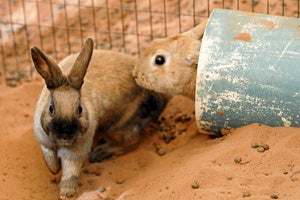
51,109
79,110
160,60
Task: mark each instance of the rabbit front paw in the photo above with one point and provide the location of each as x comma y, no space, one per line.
68,188
53,162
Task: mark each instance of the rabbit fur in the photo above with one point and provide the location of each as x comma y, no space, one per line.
89,101
169,65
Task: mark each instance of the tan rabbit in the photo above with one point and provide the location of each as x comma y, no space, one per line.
89,98
169,65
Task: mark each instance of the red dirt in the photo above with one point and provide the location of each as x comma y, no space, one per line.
143,173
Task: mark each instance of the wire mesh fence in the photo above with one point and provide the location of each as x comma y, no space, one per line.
59,27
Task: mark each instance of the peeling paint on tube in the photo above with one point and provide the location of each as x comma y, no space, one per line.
248,71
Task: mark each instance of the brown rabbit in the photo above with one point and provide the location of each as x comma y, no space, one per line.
169,65
90,97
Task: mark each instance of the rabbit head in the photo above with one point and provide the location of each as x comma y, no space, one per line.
64,117
169,65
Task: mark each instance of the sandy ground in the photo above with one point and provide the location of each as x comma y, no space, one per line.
172,162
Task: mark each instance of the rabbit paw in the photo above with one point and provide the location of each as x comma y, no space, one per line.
121,143
100,153
53,162
68,188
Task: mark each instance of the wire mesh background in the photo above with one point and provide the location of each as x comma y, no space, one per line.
60,27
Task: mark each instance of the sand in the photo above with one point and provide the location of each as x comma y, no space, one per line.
173,162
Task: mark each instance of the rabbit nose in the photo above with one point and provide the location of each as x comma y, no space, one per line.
136,76
135,73
65,137
139,75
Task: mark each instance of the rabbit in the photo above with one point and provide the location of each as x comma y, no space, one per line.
169,65
90,105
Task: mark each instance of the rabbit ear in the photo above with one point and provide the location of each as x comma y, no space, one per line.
47,68
198,31
81,64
